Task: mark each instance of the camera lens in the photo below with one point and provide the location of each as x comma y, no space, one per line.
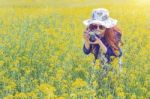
92,38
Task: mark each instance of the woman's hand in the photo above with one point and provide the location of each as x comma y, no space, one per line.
97,41
86,36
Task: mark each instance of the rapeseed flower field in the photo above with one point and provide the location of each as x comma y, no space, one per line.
41,54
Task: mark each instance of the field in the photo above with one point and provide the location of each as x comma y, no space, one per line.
41,50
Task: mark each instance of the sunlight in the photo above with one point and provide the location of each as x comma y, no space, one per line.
142,2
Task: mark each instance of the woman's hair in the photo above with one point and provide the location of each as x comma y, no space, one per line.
113,38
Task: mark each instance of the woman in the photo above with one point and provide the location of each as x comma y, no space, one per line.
107,35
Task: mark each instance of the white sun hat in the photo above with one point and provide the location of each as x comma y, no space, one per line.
101,16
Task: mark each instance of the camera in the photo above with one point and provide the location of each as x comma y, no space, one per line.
93,35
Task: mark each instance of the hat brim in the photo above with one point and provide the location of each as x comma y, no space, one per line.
110,22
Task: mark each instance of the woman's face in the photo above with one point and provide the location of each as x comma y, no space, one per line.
99,28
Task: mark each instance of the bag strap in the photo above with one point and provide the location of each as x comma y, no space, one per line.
120,58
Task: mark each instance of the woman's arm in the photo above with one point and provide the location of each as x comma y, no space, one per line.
87,46
87,50
102,47
100,43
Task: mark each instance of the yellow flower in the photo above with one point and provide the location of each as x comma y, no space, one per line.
74,96
95,83
9,97
144,90
61,97
32,94
148,94
109,97
1,63
46,88
79,83
133,96
59,74
142,97
20,95
119,92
